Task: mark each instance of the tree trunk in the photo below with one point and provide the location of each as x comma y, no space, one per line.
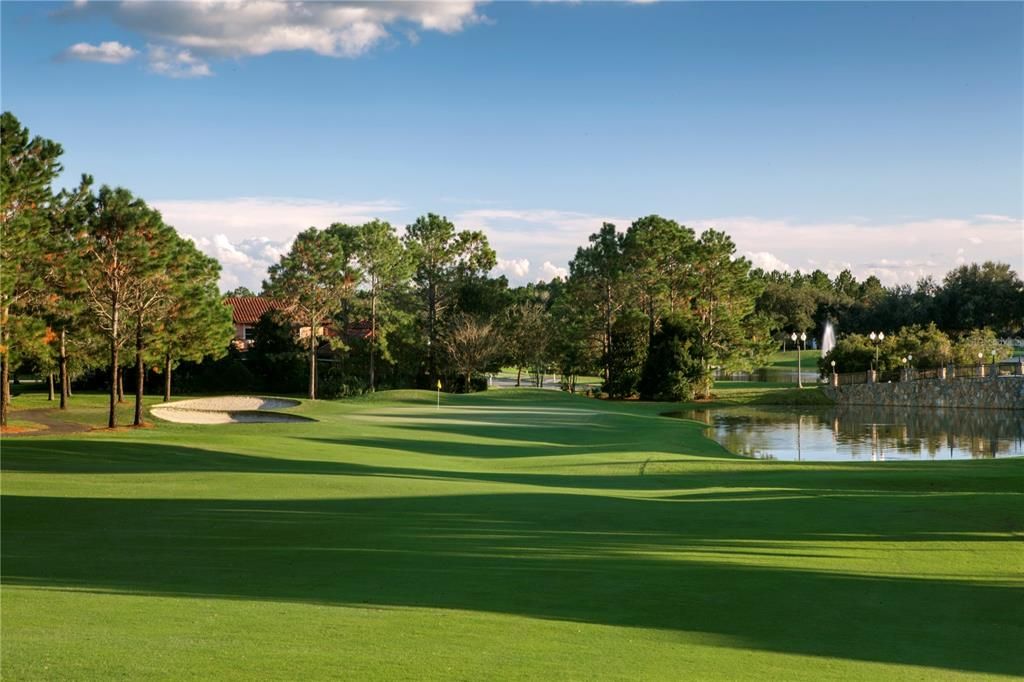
519,376
167,377
114,375
49,377
312,359
5,370
5,390
115,310
651,316
469,385
431,314
373,337
607,334
140,375
64,381
120,385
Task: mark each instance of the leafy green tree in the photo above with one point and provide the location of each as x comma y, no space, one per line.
672,369
852,353
386,268
125,249
597,277
28,166
314,279
657,256
65,307
527,336
195,324
788,307
443,257
975,296
981,342
723,307
926,345
151,296
240,292
575,345
628,353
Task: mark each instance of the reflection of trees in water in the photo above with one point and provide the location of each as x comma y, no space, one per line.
934,431
865,432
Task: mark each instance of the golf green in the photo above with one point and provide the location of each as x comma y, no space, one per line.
513,534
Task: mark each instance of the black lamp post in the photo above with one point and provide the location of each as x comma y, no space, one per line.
877,339
799,340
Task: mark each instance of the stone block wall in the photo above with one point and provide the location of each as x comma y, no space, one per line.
1006,392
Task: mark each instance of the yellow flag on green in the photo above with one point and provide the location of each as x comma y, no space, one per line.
439,384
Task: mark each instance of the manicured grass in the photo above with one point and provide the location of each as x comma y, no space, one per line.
808,360
513,535
751,393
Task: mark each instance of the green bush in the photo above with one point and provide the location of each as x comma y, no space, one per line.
671,371
984,341
627,355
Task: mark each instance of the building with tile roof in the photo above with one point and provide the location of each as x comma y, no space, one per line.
246,311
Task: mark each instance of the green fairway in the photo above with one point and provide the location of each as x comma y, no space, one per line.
512,534
807,359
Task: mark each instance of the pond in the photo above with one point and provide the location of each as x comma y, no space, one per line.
863,433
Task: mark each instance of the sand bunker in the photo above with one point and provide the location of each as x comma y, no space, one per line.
229,409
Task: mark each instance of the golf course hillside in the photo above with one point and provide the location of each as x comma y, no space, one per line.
524,534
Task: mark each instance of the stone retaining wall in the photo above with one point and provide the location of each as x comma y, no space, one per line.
994,392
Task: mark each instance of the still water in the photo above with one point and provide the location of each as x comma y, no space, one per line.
864,433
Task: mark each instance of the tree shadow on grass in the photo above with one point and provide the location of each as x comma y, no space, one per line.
724,567
673,478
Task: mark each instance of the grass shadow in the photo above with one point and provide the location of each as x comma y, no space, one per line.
711,568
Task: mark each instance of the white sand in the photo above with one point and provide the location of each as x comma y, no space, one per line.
232,402
229,409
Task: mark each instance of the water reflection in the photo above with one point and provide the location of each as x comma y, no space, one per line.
864,432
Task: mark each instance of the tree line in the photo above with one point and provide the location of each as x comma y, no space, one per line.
94,278
94,282
652,310
654,301
970,297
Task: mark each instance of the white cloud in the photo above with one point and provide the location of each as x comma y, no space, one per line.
247,235
176,63
196,31
549,271
109,52
995,218
511,229
516,267
766,261
895,252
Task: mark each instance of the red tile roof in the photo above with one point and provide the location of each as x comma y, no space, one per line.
249,309
359,330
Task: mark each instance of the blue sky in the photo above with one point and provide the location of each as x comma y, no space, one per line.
883,137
